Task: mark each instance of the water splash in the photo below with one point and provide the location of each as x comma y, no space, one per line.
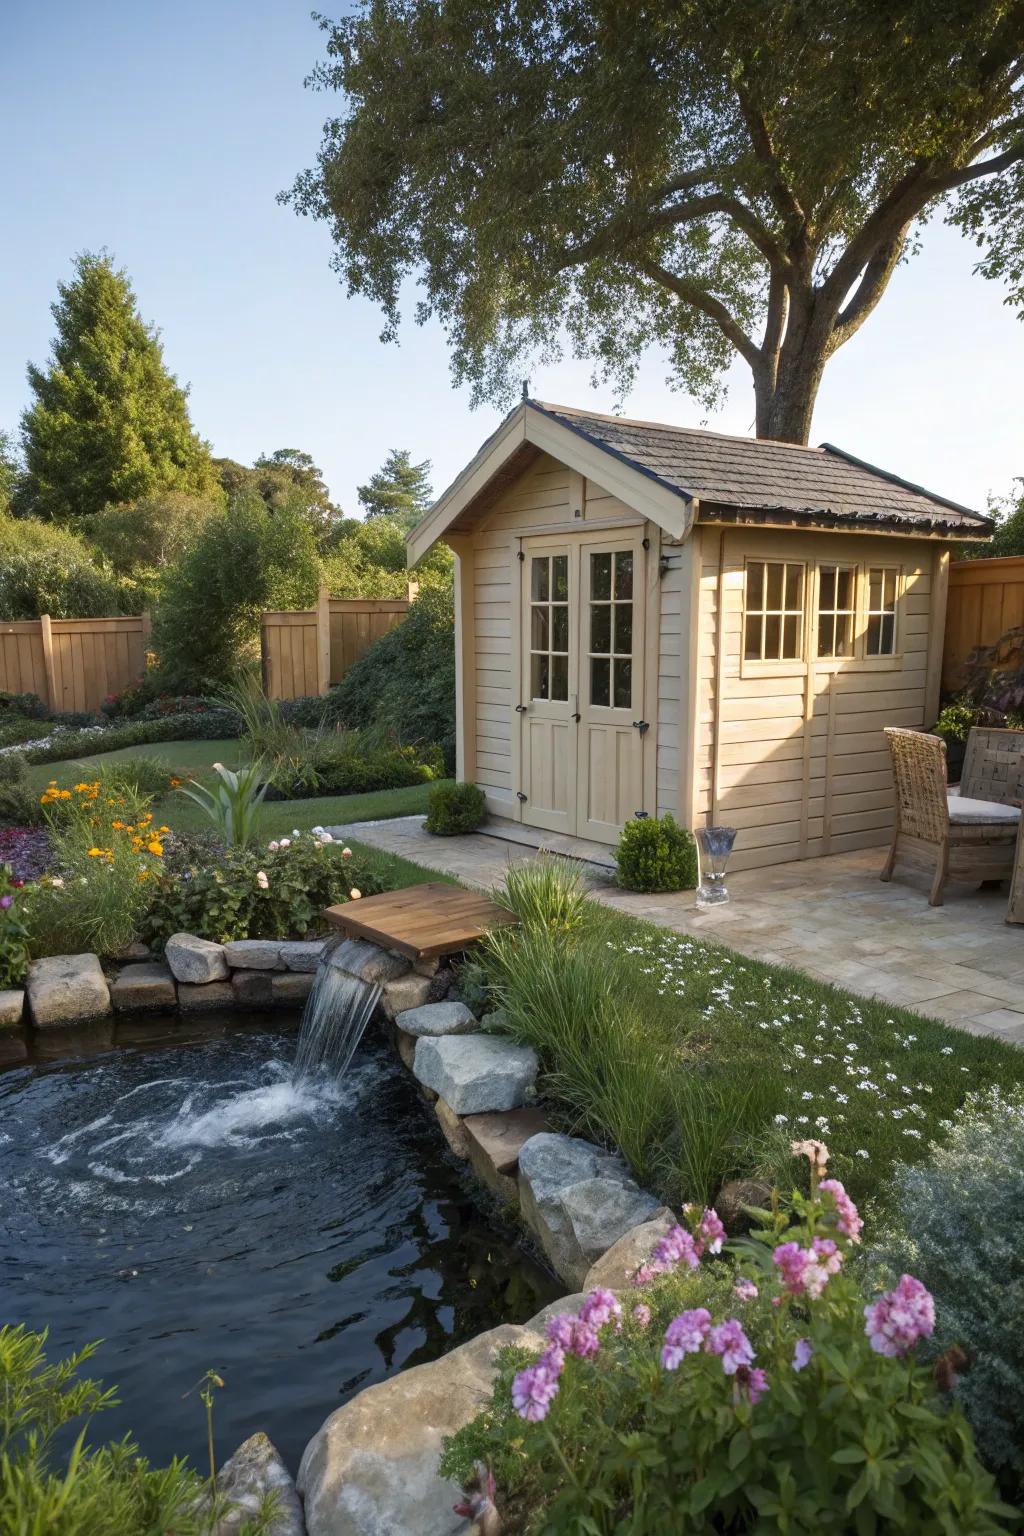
337,1012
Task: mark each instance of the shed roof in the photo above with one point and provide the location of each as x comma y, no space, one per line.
678,474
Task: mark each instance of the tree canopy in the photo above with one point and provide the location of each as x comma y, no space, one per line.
288,477
399,490
109,423
717,177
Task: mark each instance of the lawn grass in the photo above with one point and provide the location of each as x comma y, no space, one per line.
195,759
701,1064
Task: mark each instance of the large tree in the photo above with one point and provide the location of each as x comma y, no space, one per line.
714,176
109,423
290,478
399,490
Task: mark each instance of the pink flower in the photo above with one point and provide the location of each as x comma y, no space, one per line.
751,1380
261,880
559,1330
896,1321
642,1315
745,1290
802,1354
273,846
346,853
684,1336
711,1231
829,1256
729,1341
807,1269
572,1335
285,842
646,1273
676,1247
534,1388
600,1307
848,1219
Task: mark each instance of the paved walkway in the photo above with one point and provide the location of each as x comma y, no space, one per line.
831,917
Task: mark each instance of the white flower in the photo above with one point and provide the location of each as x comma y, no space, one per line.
317,831
261,880
947,1050
326,837
781,1119
346,853
354,894
860,1152
218,767
274,846
58,882
285,842
296,832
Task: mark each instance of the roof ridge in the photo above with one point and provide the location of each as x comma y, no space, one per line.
671,426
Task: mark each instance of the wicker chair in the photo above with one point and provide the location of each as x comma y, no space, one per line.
947,836
994,766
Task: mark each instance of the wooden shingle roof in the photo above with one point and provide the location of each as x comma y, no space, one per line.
745,479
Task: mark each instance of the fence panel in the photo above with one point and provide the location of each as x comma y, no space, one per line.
22,665
72,663
986,598
309,650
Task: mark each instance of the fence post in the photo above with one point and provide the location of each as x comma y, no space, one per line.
412,591
323,639
46,634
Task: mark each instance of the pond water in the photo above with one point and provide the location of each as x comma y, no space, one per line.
196,1208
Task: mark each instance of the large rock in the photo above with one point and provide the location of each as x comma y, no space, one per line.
453,1127
494,1143
578,1201
195,960
253,989
368,961
405,992
245,1480
438,1019
12,1006
292,987
615,1269
302,954
254,955
67,989
142,986
371,1470
211,996
475,1073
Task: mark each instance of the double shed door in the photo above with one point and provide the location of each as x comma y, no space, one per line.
582,688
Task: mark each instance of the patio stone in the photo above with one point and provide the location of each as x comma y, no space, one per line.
475,1073
67,989
145,985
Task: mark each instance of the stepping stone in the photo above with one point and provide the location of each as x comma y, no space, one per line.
145,985
203,998
475,1073
254,955
12,1006
195,960
578,1200
67,989
438,1019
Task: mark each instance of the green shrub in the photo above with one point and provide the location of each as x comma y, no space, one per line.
133,776
957,1221
405,683
768,1409
227,899
15,731
19,802
29,706
455,808
62,586
13,934
545,894
654,854
213,725
345,763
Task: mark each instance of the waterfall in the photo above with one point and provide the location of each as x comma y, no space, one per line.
337,1011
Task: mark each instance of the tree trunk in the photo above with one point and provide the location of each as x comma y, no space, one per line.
784,410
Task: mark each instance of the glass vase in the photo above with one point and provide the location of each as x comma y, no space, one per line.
715,845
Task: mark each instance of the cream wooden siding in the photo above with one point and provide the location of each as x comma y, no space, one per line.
794,756
671,693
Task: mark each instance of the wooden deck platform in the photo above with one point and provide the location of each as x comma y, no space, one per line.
421,922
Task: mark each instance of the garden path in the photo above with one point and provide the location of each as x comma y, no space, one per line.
831,918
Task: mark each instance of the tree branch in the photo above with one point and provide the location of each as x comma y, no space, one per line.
690,292
617,232
781,193
992,167
873,283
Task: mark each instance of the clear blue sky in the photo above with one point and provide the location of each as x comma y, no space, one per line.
163,129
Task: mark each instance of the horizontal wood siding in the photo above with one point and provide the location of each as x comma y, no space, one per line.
670,689
986,598
794,756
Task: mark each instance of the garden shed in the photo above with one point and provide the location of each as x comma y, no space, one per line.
651,618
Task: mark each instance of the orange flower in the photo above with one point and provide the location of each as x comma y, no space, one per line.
155,847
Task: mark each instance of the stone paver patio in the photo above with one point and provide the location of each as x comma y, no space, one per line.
831,918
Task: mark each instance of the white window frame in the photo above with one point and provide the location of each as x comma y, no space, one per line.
767,666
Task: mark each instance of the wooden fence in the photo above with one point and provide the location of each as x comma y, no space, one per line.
308,651
986,598
72,663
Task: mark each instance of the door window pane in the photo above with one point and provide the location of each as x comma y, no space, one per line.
623,574
600,670
559,627
560,678
601,627
774,611
601,576
624,629
623,691
540,568
539,676
539,637
560,578
611,629
549,627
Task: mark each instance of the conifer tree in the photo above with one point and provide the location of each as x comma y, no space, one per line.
399,490
109,423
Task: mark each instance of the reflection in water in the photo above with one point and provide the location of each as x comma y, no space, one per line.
198,1208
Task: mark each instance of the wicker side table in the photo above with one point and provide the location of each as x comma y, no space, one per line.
1015,909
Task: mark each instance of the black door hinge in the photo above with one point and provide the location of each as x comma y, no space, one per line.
520,709
520,795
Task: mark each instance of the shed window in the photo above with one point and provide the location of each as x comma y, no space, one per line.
549,627
883,585
837,586
774,612
611,629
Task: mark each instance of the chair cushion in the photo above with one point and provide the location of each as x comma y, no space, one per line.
963,811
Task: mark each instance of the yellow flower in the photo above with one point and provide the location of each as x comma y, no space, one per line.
95,853
63,794
155,847
81,788
118,826
163,829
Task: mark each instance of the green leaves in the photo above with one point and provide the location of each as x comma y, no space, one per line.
234,806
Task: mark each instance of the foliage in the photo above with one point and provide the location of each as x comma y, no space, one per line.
654,854
676,177
286,479
957,719
369,559
405,683
994,675
107,850
27,850
656,1418
28,706
227,898
455,808
957,1220
694,1059
62,586
209,725
234,807
13,933
109,1490
108,422
1009,535
19,805
243,561
10,470
351,763
151,533
136,775
400,490
546,895
15,730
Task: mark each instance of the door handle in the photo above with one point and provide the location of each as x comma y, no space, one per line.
576,708
520,709
643,726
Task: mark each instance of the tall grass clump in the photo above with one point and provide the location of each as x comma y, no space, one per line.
546,895
958,1219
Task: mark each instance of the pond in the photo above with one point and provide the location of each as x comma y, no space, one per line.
196,1208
